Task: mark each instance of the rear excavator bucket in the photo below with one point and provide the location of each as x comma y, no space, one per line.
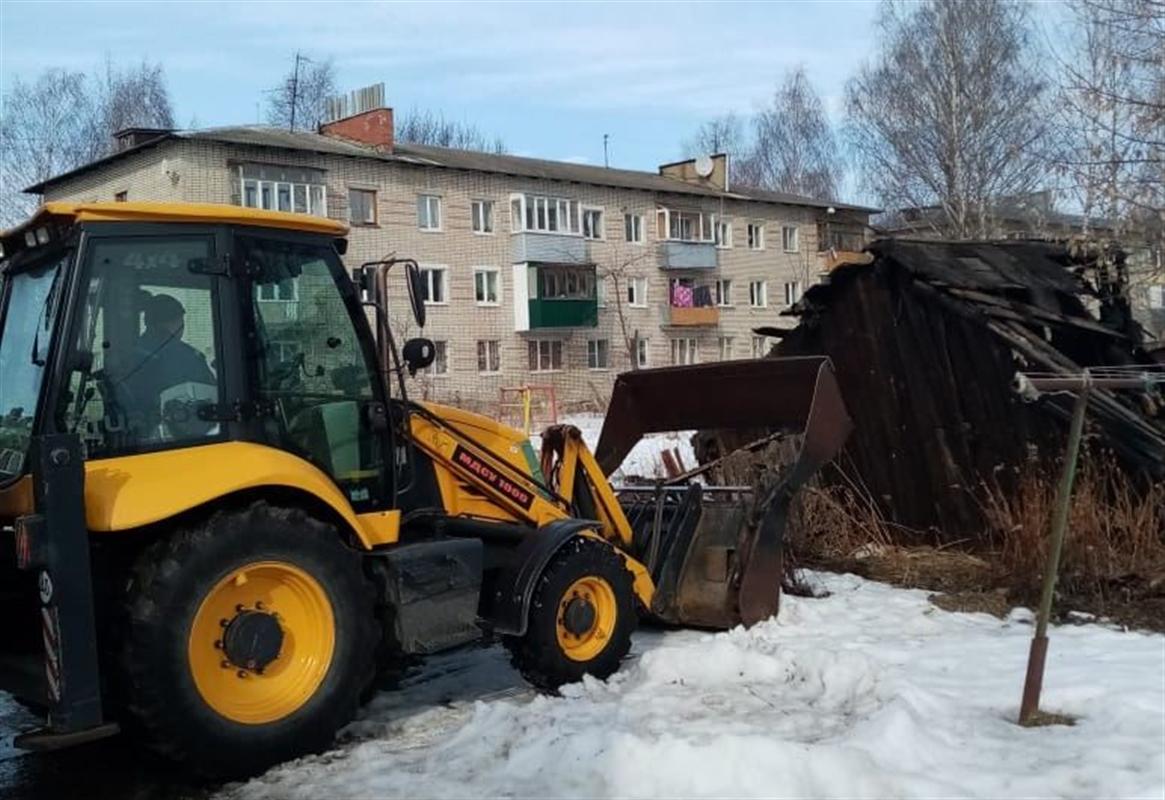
715,552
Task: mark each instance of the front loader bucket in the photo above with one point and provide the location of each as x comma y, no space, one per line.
715,552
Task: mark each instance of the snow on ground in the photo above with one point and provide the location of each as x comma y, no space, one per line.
870,692
644,459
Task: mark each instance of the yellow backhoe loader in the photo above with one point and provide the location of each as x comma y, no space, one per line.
220,513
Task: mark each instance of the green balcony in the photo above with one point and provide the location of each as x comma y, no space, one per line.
560,313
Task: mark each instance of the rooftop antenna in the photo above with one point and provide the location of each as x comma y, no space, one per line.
606,160
295,85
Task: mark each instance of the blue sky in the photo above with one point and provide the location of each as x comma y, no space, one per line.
549,78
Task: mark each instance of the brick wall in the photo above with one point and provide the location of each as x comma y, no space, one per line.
201,171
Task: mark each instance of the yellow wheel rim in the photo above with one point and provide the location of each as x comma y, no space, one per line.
249,692
586,618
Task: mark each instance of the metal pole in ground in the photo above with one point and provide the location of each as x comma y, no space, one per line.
1034,681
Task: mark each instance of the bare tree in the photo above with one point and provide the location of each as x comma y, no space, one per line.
788,146
299,102
617,273
64,119
428,127
794,147
949,112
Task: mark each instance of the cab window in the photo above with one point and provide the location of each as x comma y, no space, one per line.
144,362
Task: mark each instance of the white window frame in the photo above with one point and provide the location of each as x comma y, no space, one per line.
427,271
430,201
724,293
637,224
756,236
497,273
688,351
725,345
723,231
602,222
493,356
638,288
549,355
316,194
642,352
536,209
277,299
363,222
702,232
760,347
792,293
786,230
440,358
477,214
601,291
595,347
1157,296
762,291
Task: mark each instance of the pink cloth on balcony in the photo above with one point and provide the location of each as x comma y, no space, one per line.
682,297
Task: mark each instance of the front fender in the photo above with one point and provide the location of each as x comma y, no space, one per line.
131,491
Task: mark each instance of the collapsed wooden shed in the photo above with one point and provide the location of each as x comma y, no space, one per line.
927,338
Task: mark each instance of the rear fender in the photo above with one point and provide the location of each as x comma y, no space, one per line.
133,491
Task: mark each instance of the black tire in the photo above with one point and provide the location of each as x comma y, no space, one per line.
166,588
538,654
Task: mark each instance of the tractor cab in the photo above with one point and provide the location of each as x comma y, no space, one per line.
144,329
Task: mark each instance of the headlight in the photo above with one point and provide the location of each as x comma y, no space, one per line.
42,235
30,239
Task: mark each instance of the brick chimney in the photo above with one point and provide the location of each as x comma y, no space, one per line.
373,128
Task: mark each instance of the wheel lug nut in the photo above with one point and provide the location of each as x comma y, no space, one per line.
222,623
259,605
241,673
225,664
240,608
218,644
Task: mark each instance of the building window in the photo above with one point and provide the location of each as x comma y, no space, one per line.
598,354
436,285
284,291
723,234
428,212
545,355
566,283
637,292
760,347
789,240
792,292
685,226
361,207
485,287
601,292
121,197
592,223
489,355
641,351
684,351
633,228
1157,296
483,216
725,348
758,294
530,212
275,188
756,236
440,365
724,292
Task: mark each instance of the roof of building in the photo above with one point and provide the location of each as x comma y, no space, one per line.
214,213
450,158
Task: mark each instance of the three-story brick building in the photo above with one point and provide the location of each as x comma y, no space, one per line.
536,272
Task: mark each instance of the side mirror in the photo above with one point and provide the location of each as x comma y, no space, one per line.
418,353
416,294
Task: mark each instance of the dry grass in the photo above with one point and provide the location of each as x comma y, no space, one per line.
1113,563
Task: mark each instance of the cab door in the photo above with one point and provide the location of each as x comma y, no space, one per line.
311,364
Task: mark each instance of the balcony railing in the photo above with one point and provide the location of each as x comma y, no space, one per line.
549,248
688,255
691,316
563,313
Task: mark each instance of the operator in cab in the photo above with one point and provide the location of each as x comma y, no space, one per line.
163,361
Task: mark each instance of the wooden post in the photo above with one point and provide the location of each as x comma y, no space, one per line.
1034,680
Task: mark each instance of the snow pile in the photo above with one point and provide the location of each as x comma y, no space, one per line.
871,692
644,459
